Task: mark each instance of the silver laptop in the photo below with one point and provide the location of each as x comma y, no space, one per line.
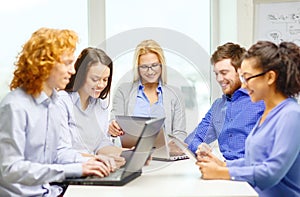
162,150
132,126
135,162
183,147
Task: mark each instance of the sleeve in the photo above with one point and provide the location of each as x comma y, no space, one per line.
66,153
284,153
198,135
13,165
105,141
64,105
118,104
236,162
179,116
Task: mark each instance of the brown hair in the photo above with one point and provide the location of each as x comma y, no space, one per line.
284,59
88,57
231,51
38,55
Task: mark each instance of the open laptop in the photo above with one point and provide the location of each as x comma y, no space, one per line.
134,164
132,126
183,147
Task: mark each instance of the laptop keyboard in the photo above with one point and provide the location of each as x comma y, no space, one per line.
112,176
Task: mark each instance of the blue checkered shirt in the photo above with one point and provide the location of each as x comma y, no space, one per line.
229,120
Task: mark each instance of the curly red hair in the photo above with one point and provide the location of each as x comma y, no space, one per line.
38,55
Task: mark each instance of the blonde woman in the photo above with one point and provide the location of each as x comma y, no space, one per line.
149,95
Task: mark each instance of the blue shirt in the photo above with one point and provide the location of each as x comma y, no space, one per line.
229,120
272,159
31,148
143,106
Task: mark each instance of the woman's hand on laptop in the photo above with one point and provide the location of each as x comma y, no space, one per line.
108,160
119,161
95,166
114,129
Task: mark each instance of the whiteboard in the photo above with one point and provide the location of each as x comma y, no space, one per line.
277,21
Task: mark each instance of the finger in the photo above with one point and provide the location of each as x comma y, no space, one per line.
103,158
119,159
101,167
201,164
113,164
116,125
97,173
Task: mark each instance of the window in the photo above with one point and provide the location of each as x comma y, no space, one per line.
22,18
183,31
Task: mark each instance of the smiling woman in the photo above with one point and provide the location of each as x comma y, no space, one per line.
84,105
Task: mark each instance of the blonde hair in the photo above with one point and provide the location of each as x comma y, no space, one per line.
38,56
149,46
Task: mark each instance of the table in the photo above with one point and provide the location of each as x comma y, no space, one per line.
179,178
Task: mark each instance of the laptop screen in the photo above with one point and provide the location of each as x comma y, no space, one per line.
144,145
132,127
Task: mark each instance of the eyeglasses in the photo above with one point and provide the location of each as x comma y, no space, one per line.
153,67
245,80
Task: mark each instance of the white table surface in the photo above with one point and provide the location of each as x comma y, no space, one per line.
179,178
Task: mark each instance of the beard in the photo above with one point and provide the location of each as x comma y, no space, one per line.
232,88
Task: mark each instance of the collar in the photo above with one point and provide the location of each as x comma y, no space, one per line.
158,89
238,93
76,99
43,98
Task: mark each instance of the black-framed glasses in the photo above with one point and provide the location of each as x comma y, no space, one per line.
245,80
145,67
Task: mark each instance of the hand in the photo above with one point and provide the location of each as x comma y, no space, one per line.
203,150
119,161
209,157
211,170
95,167
108,161
114,129
174,149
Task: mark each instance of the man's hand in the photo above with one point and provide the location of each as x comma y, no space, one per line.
95,166
203,150
108,161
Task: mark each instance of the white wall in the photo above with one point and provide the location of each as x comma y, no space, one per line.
19,19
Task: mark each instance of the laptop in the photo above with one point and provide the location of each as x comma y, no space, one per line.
132,126
183,147
134,164
162,150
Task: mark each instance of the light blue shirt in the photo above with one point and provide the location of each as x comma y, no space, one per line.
31,148
229,120
88,129
143,106
272,158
